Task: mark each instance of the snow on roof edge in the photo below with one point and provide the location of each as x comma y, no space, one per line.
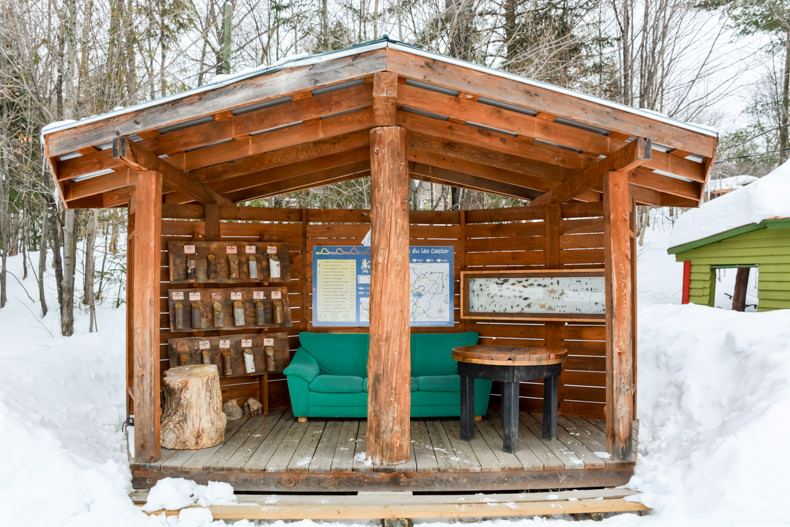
383,42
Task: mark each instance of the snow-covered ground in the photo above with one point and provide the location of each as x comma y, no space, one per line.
713,404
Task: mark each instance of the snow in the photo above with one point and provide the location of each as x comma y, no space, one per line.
766,198
713,404
731,183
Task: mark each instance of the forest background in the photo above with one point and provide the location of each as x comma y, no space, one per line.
720,63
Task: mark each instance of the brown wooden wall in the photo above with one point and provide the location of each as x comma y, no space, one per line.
485,239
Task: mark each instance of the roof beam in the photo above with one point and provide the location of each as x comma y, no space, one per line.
457,179
138,158
546,155
305,181
76,190
542,99
270,84
626,159
468,110
283,156
233,127
385,95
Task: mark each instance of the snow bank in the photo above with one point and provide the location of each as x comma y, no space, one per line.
764,199
713,402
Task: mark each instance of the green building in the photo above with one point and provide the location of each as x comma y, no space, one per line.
764,245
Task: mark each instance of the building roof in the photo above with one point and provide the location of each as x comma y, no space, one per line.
766,198
305,122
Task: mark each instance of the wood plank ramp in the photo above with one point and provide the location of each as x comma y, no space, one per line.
275,453
386,505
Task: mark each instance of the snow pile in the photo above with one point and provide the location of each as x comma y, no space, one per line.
764,199
714,410
177,493
62,451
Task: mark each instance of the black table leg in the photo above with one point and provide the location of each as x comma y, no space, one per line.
551,385
510,416
467,407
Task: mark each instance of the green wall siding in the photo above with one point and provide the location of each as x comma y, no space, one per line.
769,249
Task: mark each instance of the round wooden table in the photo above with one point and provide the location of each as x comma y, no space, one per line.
509,365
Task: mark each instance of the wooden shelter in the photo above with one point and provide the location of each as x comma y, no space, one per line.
390,112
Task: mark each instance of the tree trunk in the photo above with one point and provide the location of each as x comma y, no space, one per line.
90,265
56,240
69,271
42,264
192,417
741,284
785,112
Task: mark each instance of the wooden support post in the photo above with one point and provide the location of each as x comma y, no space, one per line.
618,260
145,313
389,367
211,218
552,219
130,309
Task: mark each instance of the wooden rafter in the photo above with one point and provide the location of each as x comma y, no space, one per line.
450,177
231,127
543,155
544,99
624,160
282,157
239,94
140,159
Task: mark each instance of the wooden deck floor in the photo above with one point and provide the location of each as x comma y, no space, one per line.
277,453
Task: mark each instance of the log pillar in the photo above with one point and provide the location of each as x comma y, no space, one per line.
618,258
389,367
147,201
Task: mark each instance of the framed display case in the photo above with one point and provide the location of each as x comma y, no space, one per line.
542,295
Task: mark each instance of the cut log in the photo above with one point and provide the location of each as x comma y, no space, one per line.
192,417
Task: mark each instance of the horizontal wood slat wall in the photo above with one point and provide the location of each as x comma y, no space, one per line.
485,239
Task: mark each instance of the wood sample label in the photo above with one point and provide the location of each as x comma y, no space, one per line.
204,344
277,295
231,249
189,249
178,295
250,249
258,295
224,344
194,296
235,295
246,343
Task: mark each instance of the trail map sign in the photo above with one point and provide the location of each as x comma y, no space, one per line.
341,286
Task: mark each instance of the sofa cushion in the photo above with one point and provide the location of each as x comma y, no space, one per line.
440,383
336,384
431,352
338,353
414,384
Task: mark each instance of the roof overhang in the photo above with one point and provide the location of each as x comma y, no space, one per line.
774,223
305,122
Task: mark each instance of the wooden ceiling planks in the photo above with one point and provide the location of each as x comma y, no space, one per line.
465,127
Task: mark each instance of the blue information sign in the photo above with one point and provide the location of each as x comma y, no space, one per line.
341,286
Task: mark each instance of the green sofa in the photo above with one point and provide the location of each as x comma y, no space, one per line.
327,376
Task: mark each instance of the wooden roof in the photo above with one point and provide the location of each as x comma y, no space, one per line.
306,123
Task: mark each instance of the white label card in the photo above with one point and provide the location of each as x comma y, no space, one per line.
194,297
178,295
224,344
189,249
204,344
271,249
235,295
258,295
250,249
268,342
277,295
246,343
231,249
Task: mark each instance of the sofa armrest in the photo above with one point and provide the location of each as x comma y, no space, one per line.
302,365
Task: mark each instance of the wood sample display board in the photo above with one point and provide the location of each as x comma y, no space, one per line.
194,262
234,355
228,308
